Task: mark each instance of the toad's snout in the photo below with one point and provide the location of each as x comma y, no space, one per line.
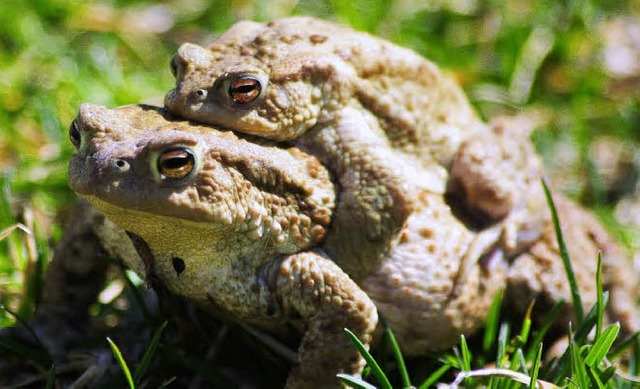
88,172
96,160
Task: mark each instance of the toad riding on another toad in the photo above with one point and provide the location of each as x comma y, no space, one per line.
338,200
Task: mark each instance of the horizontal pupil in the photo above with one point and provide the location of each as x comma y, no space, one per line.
244,88
176,162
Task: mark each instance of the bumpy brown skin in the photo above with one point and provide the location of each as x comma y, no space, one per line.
248,226
232,234
539,273
365,108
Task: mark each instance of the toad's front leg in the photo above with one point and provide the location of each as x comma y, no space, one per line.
313,288
374,199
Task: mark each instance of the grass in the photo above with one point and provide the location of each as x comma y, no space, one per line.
543,58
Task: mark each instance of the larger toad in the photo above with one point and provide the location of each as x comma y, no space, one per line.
239,227
367,109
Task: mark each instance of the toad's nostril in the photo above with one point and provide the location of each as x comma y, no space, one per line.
122,165
74,134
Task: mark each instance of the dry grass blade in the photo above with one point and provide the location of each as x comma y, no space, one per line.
506,373
18,226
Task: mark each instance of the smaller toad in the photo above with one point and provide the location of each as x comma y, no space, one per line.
366,108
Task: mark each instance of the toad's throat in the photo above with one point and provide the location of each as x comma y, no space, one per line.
170,236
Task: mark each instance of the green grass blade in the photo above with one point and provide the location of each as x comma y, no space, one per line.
607,374
465,353
397,353
526,326
375,368
148,354
536,368
503,341
593,377
602,345
453,360
355,382
544,328
599,302
634,362
520,362
564,253
435,376
51,377
625,344
561,368
578,372
492,323
123,365
590,321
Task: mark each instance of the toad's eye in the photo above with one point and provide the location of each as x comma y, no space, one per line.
245,89
174,67
176,163
74,134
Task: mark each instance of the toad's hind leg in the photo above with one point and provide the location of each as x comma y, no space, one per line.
493,170
438,280
539,272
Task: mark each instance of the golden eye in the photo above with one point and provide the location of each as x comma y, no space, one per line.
245,89
176,163
74,134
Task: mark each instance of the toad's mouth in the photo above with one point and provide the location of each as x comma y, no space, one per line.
130,219
165,234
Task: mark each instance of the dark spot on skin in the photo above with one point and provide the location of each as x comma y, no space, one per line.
178,265
316,39
288,39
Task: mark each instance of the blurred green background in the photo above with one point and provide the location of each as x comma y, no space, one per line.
574,66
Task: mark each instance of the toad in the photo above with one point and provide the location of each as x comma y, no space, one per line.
367,109
239,225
